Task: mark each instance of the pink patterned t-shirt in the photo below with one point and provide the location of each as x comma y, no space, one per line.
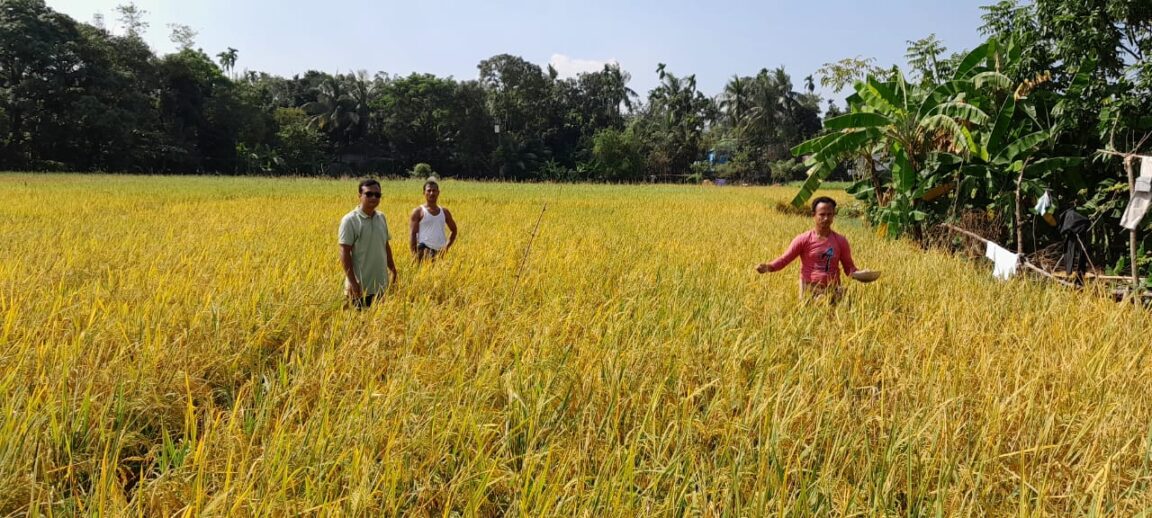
820,258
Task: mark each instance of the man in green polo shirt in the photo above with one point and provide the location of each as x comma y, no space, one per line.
364,249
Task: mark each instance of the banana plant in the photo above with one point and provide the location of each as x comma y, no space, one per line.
972,137
902,124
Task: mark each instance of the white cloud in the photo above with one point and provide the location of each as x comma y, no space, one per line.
568,67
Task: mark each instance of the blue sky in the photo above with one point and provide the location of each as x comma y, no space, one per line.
713,40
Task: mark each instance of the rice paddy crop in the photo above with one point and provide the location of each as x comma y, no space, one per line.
176,345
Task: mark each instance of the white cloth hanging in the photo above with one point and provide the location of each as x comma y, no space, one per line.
1141,198
1004,261
1043,204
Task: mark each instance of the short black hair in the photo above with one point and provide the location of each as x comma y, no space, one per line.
366,183
432,183
822,199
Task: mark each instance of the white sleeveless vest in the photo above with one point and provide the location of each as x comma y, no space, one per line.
431,232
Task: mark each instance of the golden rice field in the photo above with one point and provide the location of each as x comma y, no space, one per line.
176,346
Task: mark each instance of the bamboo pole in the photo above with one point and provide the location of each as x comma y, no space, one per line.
1130,170
1132,233
1119,154
1023,261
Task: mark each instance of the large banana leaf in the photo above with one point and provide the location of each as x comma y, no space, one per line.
993,79
815,144
880,97
945,159
1024,144
997,138
834,148
1013,52
943,93
851,143
816,175
903,174
900,89
971,61
971,177
962,111
934,124
857,120
862,189
839,145
972,146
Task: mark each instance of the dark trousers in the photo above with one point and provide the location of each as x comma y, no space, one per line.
423,252
364,302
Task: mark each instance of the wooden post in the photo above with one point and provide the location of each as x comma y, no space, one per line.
1130,169
1132,233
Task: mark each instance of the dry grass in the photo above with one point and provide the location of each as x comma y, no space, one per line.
175,346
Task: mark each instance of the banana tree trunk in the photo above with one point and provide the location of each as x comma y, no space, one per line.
877,185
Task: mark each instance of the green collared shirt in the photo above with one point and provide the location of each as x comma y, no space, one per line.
368,236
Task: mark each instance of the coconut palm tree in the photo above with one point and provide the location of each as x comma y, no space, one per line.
343,107
681,113
734,101
228,60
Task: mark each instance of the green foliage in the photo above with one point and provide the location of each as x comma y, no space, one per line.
4,122
415,116
699,171
182,35
616,156
554,171
301,145
844,73
1056,81
968,136
39,48
422,171
1098,55
926,58
787,170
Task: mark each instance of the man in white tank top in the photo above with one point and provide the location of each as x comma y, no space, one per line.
428,238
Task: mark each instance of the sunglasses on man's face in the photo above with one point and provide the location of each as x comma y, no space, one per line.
370,194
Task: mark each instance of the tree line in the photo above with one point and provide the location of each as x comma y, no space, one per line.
75,96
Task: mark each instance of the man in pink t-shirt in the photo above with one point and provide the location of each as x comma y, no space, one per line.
822,253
